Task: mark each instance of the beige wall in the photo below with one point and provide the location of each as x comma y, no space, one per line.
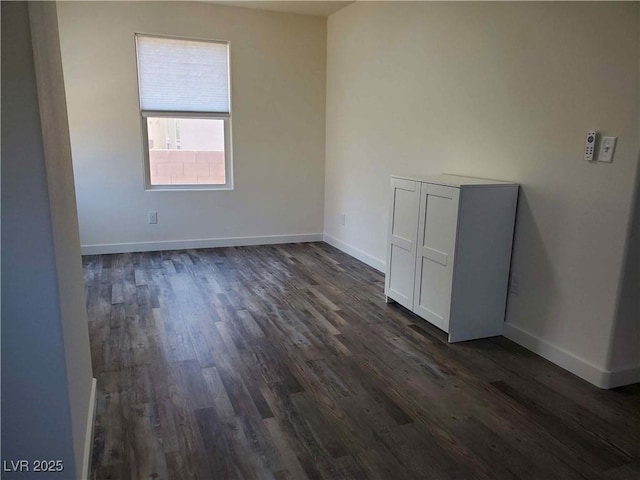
624,352
506,91
46,363
64,221
278,101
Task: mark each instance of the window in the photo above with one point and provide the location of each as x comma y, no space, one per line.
185,111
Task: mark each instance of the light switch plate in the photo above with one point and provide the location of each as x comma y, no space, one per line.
607,148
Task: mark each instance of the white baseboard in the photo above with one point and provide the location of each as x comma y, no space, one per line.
567,360
88,439
624,376
199,243
356,253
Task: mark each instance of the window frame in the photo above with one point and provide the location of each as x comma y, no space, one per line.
226,117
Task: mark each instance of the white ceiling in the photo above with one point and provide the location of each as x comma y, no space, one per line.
314,7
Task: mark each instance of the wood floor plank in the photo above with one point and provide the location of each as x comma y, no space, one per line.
287,452
285,362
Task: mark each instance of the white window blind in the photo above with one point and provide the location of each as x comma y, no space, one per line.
183,75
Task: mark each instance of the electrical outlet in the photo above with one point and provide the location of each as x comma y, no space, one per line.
514,287
153,218
343,219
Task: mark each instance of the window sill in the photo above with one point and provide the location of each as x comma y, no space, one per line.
188,188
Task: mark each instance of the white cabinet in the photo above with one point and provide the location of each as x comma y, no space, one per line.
449,251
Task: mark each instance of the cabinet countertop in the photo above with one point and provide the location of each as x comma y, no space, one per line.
456,181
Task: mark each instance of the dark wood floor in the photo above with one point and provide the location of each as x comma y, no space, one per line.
284,362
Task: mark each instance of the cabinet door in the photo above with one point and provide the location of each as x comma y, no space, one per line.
438,220
401,250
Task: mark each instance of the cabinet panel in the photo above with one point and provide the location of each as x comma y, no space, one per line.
483,256
404,220
401,275
401,254
438,219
